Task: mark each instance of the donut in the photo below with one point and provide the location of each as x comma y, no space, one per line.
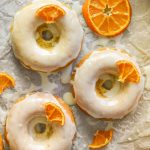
34,123
43,45
98,90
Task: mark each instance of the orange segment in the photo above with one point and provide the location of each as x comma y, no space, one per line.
107,17
6,81
54,113
101,139
127,72
50,13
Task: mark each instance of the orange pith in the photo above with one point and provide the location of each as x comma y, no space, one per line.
50,13
101,139
107,17
54,113
6,81
127,72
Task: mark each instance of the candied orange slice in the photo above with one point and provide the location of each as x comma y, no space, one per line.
107,17
54,113
101,139
1,142
6,81
127,72
66,107
50,13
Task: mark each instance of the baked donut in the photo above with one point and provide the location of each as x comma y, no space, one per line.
34,123
98,89
45,45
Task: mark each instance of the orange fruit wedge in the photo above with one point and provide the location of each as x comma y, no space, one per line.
101,139
127,72
50,13
54,113
107,17
6,81
1,142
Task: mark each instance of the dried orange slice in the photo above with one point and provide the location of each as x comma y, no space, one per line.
101,139
6,81
1,142
107,17
50,13
54,113
127,72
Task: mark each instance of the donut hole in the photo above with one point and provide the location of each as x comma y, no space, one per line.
107,85
47,35
39,128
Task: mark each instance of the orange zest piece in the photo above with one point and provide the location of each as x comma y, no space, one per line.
127,72
101,139
50,13
6,81
107,17
54,113
1,142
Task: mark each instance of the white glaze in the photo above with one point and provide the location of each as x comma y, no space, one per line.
66,74
147,73
46,85
87,74
68,98
17,120
30,53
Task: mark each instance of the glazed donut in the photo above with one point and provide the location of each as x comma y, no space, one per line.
28,128
46,46
97,89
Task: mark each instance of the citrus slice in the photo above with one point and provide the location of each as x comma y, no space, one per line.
6,81
66,107
107,17
101,139
127,72
50,13
54,113
1,142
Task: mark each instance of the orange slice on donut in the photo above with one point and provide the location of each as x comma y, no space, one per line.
54,113
101,139
127,72
107,17
50,13
6,81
